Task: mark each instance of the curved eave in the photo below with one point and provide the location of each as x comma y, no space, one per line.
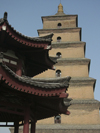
38,42
39,88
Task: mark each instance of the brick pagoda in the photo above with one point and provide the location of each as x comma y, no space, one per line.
70,51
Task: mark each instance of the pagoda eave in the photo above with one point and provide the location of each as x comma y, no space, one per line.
13,36
13,81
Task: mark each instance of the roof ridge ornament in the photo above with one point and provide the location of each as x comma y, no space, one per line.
60,8
5,16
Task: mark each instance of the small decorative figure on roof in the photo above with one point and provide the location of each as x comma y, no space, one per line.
5,16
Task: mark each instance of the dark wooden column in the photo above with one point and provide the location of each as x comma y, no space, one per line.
26,120
16,129
33,126
19,68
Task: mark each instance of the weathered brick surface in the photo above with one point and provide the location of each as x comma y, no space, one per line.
68,70
81,92
66,35
64,129
66,21
69,52
82,115
68,131
54,24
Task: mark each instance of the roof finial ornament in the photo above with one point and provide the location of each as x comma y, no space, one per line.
60,8
5,16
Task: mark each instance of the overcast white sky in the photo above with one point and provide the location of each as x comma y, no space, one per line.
25,17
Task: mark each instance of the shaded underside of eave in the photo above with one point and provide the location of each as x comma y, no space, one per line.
8,117
35,60
43,107
41,112
38,62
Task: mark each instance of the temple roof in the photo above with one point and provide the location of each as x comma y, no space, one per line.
42,83
41,87
34,49
41,42
45,95
45,38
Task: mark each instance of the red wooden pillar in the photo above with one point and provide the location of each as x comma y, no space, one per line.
33,126
26,120
19,68
16,129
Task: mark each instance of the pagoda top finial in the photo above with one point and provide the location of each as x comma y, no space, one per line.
60,8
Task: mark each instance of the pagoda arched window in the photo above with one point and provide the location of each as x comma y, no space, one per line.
58,73
59,25
58,54
57,119
58,39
